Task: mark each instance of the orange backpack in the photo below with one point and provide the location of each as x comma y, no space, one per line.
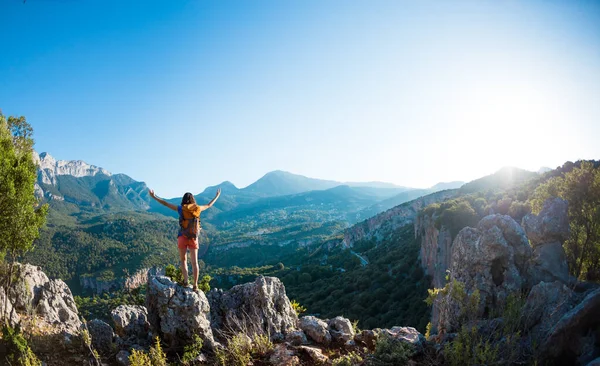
190,228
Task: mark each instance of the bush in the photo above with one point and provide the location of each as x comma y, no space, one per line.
191,352
204,284
469,348
155,357
299,309
351,359
17,350
389,351
261,345
174,273
237,353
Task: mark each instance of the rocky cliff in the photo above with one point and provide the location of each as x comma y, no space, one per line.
99,286
386,222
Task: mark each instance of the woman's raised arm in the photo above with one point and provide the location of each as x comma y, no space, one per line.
162,202
212,202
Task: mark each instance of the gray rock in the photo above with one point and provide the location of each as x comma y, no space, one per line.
123,358
491,259
296,338
57,306
102,335
367,337
282,356
131,321
13,317
406,334
341,329
315,354
259,307
546,303
50,299
316,329
567,335
551,225
549,264
178,313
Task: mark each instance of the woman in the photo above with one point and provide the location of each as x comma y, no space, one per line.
188,210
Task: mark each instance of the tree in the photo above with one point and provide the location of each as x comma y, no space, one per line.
581,188
21,215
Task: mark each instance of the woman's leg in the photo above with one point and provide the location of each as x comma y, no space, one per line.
183,259
194,258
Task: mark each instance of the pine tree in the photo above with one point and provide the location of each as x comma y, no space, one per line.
21,216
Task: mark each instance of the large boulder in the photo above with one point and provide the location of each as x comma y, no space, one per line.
316,329
545,305
405,334
102,336
569,337
551,225
341,329
259,307
6,308
492,259
51,300
549,264
131,321
177,313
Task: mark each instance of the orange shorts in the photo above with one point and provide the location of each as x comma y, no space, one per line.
187,243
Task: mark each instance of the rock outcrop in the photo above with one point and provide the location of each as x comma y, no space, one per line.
315,329
132,282
178,313
259,307
575,333
102,335
51,300
491,259
341,329
396,217
131,321
546,232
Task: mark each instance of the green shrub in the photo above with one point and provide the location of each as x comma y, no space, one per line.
191,352
261,345
351,359
139,358
174,273
155,357
389,351
18,351
237,353
204,284
470,348
299,309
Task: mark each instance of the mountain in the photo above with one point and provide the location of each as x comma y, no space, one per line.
280,183
502,179
447,185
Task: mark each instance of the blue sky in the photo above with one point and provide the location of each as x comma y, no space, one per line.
186,94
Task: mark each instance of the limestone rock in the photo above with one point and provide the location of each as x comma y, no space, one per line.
260,307
296,338
406,334
551,225
316,329
13,317
50,299
492,259
283,356
546,303
341,329
315,354
549,264
57,306
567,337
102,335
367,337
131,321
177,313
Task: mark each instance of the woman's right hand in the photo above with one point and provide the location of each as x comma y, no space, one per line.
151,191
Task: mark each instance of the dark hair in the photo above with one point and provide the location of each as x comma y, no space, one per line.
188,198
